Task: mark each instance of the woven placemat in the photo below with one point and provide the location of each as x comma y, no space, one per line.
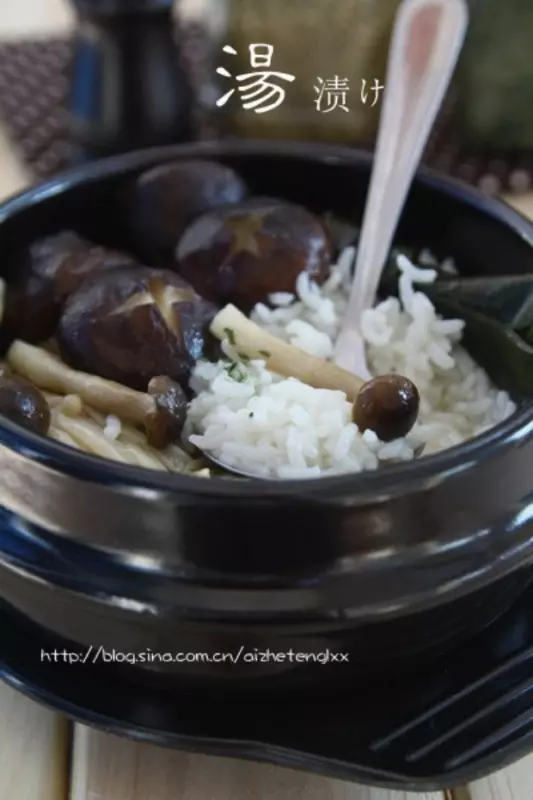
34,85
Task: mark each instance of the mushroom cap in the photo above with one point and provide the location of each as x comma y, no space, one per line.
243,253
45,274
132,325
167,198
24,404
387,405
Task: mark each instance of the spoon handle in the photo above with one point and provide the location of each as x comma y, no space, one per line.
426,42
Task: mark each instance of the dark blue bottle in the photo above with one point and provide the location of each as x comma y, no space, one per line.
128,87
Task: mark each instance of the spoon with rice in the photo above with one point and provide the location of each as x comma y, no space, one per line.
426,42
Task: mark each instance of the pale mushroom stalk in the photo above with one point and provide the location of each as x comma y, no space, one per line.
251,341
49,373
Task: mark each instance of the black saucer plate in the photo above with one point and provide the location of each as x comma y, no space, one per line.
466,716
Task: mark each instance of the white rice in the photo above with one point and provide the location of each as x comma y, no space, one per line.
282,428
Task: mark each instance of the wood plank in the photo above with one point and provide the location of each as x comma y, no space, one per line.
110,768
33,751
513,783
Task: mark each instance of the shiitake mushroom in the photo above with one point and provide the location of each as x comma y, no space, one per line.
387,405
45,273
23,403
165,200
243,253
132,325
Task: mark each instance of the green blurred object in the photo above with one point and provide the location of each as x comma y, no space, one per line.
494,85
312,40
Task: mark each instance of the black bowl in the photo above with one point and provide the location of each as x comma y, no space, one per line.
387,566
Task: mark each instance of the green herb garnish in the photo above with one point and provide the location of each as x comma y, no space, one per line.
243,357
231,336
235,372
265,353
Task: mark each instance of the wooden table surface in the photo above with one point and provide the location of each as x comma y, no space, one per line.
34,742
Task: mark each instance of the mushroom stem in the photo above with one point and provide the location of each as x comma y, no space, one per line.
47,372
161,419
250,340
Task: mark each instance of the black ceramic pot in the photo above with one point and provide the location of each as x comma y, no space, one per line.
388,567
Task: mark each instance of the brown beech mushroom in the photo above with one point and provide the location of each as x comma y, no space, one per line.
45,273
242,254
161,412
387,405
166,422
134,324
167,198
24,404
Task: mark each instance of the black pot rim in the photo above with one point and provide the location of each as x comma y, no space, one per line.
361,487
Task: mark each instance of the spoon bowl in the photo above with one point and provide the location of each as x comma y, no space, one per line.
239,473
